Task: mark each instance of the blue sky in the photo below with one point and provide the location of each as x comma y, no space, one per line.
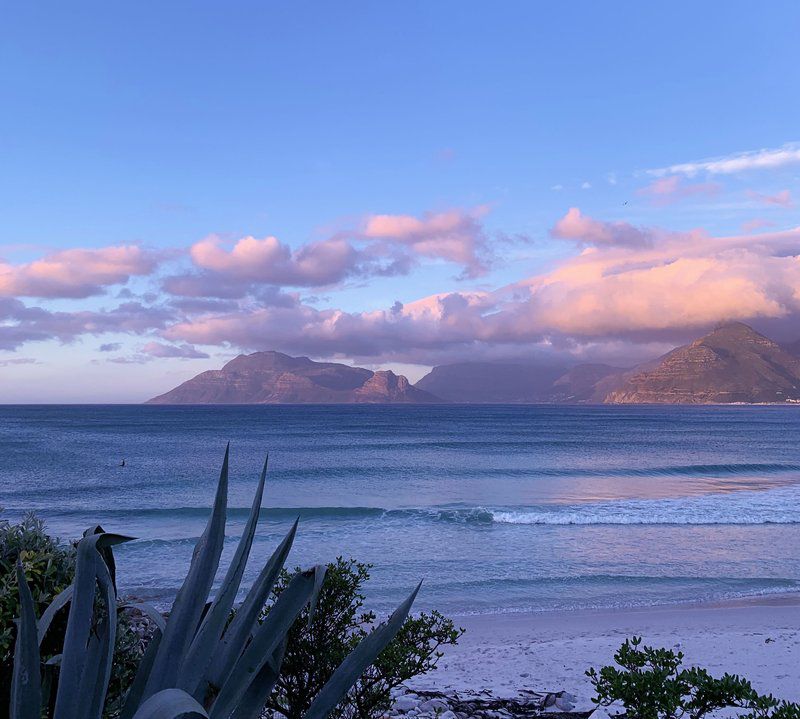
156,125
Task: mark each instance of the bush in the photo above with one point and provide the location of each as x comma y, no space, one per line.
49,566
652,685
314,652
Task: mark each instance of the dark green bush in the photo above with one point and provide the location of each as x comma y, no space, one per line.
314,652
49,566
651,684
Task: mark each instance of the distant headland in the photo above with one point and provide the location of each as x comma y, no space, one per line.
732,364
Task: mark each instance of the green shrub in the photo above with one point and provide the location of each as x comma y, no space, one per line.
49,566
201,662
652,685
314,651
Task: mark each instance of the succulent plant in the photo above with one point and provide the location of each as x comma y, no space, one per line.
198,663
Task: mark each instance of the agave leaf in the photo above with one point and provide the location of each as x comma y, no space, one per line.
100,654
367,651
190,601
134,696
76,638
59,601
206,641
171,704
255,698
26,681
246,617
267,637
106,553
319,579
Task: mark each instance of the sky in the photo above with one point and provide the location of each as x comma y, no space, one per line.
393,185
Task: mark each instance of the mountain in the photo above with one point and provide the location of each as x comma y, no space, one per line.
276,378
734,363
491,382
585,383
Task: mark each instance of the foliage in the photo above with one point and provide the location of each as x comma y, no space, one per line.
652,684
314,651
49,566
199,662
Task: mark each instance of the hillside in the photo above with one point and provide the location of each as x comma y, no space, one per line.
276,378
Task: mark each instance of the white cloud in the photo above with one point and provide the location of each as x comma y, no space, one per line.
765,159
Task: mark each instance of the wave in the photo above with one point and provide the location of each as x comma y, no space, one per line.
744,507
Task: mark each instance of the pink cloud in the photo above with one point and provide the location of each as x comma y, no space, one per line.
455,236
672,285
268,260
668,190
780,199
75,273
588,231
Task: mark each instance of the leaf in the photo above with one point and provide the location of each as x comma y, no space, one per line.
26,680
266,639
190,601
97,671
134,696
320,569
255,698
171,704
367,651
246,617
206,641
59,601
69,702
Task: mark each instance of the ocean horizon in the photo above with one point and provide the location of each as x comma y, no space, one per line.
499,508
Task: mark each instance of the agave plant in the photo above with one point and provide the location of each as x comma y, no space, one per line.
198,663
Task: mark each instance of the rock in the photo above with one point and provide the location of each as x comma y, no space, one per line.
447,715
405,703
432,705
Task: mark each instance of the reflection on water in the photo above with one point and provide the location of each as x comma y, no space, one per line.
506,507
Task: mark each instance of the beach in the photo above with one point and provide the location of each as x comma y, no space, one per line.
549,651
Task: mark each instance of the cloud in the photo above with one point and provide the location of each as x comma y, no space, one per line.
184,351
20,323
588,231
75,273
383,246
644,288
18,361
781,199
110,347
765,159
455,236
668,190
757,223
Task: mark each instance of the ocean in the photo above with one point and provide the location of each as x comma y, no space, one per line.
497,508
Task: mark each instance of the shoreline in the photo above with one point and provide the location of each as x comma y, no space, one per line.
755,637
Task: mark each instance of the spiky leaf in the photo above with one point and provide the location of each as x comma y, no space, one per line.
190,601
354,665
26,688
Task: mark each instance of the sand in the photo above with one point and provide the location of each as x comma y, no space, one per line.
549,651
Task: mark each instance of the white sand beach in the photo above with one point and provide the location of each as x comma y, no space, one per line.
549,651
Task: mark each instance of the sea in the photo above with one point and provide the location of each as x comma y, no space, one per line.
497,508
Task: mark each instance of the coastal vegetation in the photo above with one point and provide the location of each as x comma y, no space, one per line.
201,661
652,683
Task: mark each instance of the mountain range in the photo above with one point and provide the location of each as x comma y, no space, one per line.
732,364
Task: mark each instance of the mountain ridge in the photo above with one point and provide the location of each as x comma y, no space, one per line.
731,364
